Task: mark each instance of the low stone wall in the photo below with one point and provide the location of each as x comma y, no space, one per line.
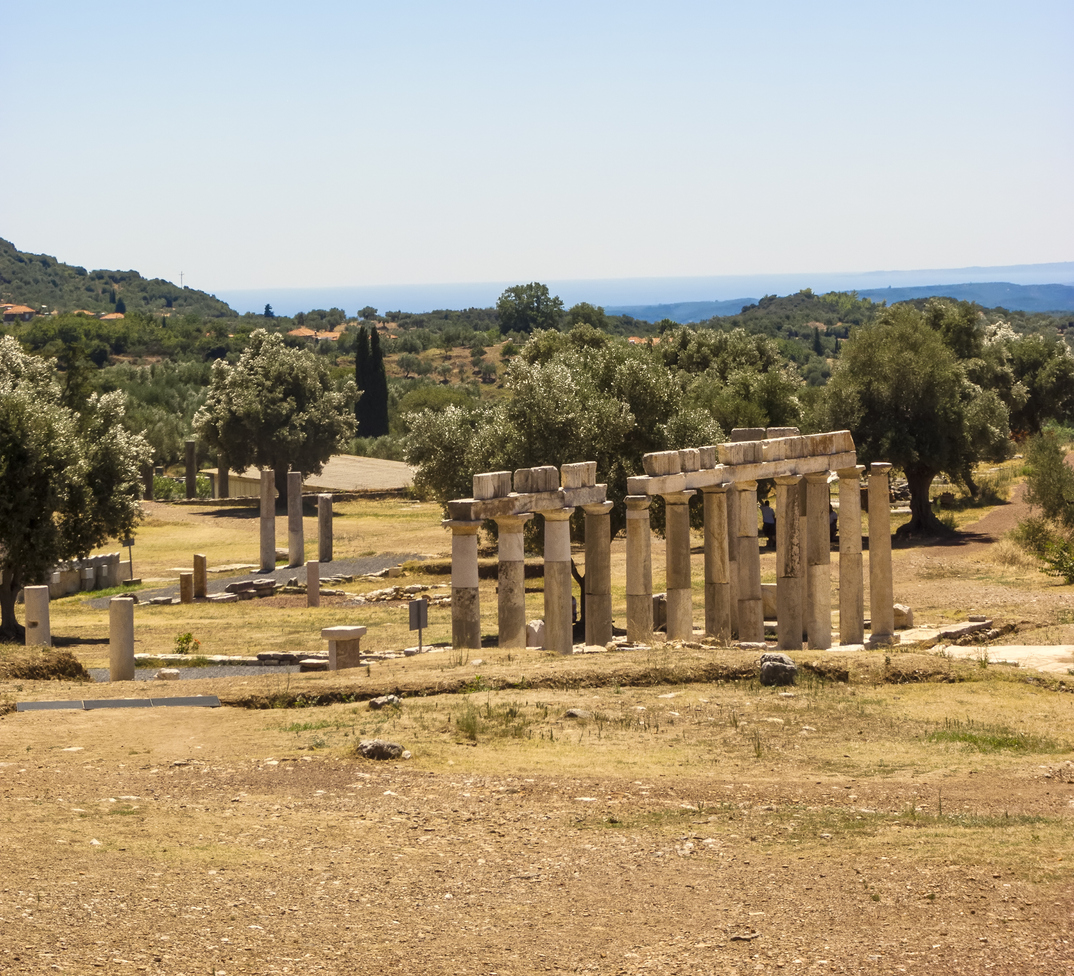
92,573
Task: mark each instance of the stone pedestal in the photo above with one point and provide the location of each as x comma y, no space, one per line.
313,583
639,570
324,528
465,603
558,626
680,625
186,587
268,520
818,607
598,573
790,564
201,576
344,649
511,599
750,607
191,468
717,566
296,541
851,583
121,638
38,627
881,594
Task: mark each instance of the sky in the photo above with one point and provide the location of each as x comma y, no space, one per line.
265,145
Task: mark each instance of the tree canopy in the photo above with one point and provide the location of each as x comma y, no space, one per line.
525,308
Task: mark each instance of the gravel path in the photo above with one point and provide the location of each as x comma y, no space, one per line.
100,675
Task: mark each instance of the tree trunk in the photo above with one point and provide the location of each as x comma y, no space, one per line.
923,520
279,475
580,580
10,628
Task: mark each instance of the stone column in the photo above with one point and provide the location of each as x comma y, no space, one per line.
818,607
790,564
186,587
191,468
639,570
750,603
201,576
881,595
717,580
511,600
732,556
851,588
38,628
223,489
147,480
313,583
121,638
558,630
465,605
598,573
677,555
268,520
296,541
324,528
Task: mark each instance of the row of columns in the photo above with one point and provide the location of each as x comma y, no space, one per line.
295,530
732,569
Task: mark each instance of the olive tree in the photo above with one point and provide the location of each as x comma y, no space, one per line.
68,479
276,408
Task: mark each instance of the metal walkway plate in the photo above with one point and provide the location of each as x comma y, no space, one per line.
90,704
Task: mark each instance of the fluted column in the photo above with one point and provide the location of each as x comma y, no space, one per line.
851,588
598,573
465,605
511,599
268,520
790,564
750,604
717,580
558,626
639,570
881,594
680,624
818,607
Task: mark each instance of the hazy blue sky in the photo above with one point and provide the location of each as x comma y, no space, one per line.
253,144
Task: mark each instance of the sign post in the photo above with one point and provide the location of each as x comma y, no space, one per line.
419,617
129,543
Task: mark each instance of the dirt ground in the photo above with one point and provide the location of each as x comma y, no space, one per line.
239,841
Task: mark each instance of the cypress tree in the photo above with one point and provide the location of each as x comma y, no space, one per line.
361,380
377,389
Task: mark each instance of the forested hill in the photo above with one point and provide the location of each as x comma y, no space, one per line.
39,280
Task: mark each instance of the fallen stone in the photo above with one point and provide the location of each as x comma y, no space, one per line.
904,616
378,703
167,674
380,749
577,713
535,633
222,598
777,669
313,664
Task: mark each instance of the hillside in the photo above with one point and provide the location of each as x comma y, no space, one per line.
45,284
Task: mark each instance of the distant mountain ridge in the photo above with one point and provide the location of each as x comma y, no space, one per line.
988,294
45,284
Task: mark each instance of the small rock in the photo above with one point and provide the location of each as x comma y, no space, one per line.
167,674
380,749
777,669
477,661
378,703
313,664
577,713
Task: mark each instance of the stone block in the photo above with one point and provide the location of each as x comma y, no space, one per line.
782,432
583,474
534,480
768,600
167,674
661,463
904,616
689,459
740,452
535,633
777,669
707,457
740,434
492,484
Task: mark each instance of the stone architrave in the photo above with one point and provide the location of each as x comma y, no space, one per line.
639,570
324,528
121,638
790,564
680,625
201,576
186,587
881,594
465,602
851,587
38,628
296,541
598,573
818,606
511,599
191,468
717,566
750,603
268,521
558,626
732,557
223,489
313,583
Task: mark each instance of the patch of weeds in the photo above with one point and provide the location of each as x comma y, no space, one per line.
468,722
476,683
186,643
308,726
991,738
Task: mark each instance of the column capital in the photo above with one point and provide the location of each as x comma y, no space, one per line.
851,474
744,485
461,527
715,489
512,522
880,467
816,477
557,514
788,479
600,508
638,503
678,497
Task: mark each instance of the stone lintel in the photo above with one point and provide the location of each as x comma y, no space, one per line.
727,474
342,633
516,503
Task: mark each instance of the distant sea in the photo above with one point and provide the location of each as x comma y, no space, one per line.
622,294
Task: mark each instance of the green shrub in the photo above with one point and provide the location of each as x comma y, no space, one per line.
166,489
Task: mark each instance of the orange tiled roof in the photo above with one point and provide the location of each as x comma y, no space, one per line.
20,309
